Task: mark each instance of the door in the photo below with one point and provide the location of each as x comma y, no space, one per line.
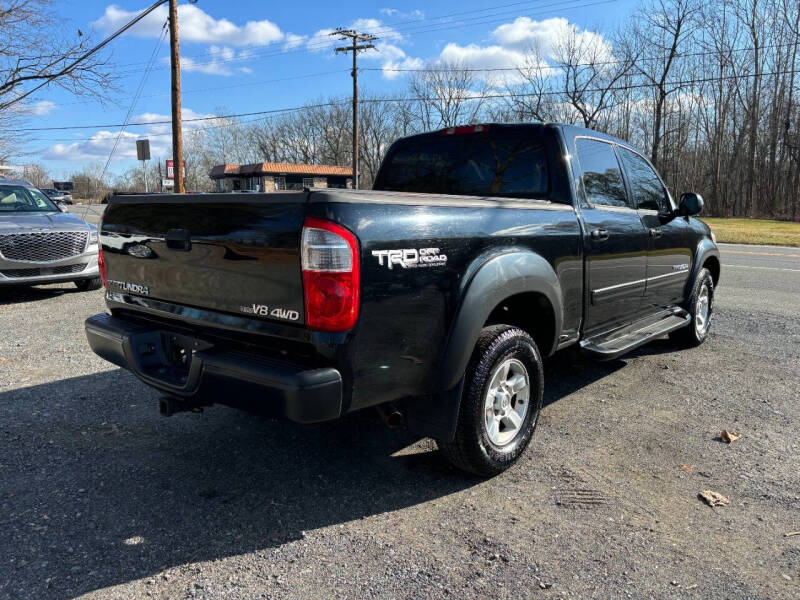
669,256
616,240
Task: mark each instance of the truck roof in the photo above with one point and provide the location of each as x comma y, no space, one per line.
569,129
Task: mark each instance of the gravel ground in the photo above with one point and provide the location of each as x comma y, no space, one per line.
102,498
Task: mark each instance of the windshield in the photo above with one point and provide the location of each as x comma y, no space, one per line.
16,198
487,164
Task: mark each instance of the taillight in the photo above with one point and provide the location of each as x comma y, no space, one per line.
329,257
101,266
101,262
464,129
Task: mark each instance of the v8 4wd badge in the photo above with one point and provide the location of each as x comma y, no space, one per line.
410,258
262,310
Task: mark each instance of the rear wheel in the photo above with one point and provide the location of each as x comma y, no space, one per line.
500,404
701,307
87,285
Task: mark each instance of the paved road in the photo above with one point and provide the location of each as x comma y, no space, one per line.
100,498
770,258
763,277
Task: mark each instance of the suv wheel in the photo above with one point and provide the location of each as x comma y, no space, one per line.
87,285
500,404
701,307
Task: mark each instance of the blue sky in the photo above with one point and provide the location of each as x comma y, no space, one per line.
233,52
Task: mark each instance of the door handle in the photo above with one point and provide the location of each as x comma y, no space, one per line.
599,234
655,232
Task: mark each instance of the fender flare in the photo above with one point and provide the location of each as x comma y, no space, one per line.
705,249
495,279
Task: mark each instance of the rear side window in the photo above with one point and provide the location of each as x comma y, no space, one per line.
646,188
471,164
601,175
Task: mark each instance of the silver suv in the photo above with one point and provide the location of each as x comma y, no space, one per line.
41,244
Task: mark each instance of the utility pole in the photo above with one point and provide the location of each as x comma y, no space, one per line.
360,42
175,64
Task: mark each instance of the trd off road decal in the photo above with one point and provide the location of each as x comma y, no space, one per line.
410,258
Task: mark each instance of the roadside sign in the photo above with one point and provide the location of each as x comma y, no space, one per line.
171,167
167,183
143,149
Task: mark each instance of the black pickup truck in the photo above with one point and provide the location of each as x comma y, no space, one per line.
479,251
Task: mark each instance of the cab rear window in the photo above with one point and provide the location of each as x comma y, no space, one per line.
479,164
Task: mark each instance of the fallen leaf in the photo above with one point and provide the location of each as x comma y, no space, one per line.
691,587
3,360
687,468
728,436
791,534
713,498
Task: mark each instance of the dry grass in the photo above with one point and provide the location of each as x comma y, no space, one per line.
755,231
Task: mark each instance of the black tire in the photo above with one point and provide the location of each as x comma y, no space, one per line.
693,335
88,285
472,450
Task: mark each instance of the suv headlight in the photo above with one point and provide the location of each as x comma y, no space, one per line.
93,237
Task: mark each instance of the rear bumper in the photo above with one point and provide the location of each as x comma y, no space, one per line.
194,370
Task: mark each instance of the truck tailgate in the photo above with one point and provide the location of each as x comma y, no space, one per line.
238,254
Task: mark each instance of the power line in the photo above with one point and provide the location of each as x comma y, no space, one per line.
427,28
71,67
135,99
277,111
225,87
431,70
387,28
553,67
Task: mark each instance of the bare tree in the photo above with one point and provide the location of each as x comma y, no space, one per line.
34,48
447,94
37,175
588,72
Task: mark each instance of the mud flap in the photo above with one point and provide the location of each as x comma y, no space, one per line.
435,416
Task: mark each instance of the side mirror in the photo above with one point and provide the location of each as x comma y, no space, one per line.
690,204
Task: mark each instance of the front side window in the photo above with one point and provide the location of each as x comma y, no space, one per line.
601,175
646,188
24,199
509,164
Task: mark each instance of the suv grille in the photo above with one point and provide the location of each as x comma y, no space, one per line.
62,270
45,246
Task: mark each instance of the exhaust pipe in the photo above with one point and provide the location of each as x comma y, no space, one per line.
392,417
170,406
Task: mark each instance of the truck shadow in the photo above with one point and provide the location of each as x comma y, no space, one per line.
98,490
20,294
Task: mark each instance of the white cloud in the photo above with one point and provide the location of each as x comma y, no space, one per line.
387,49
397,13
99,145
393,70
41,108
524,33
514,42
218,62
481,57
292,41
195,26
